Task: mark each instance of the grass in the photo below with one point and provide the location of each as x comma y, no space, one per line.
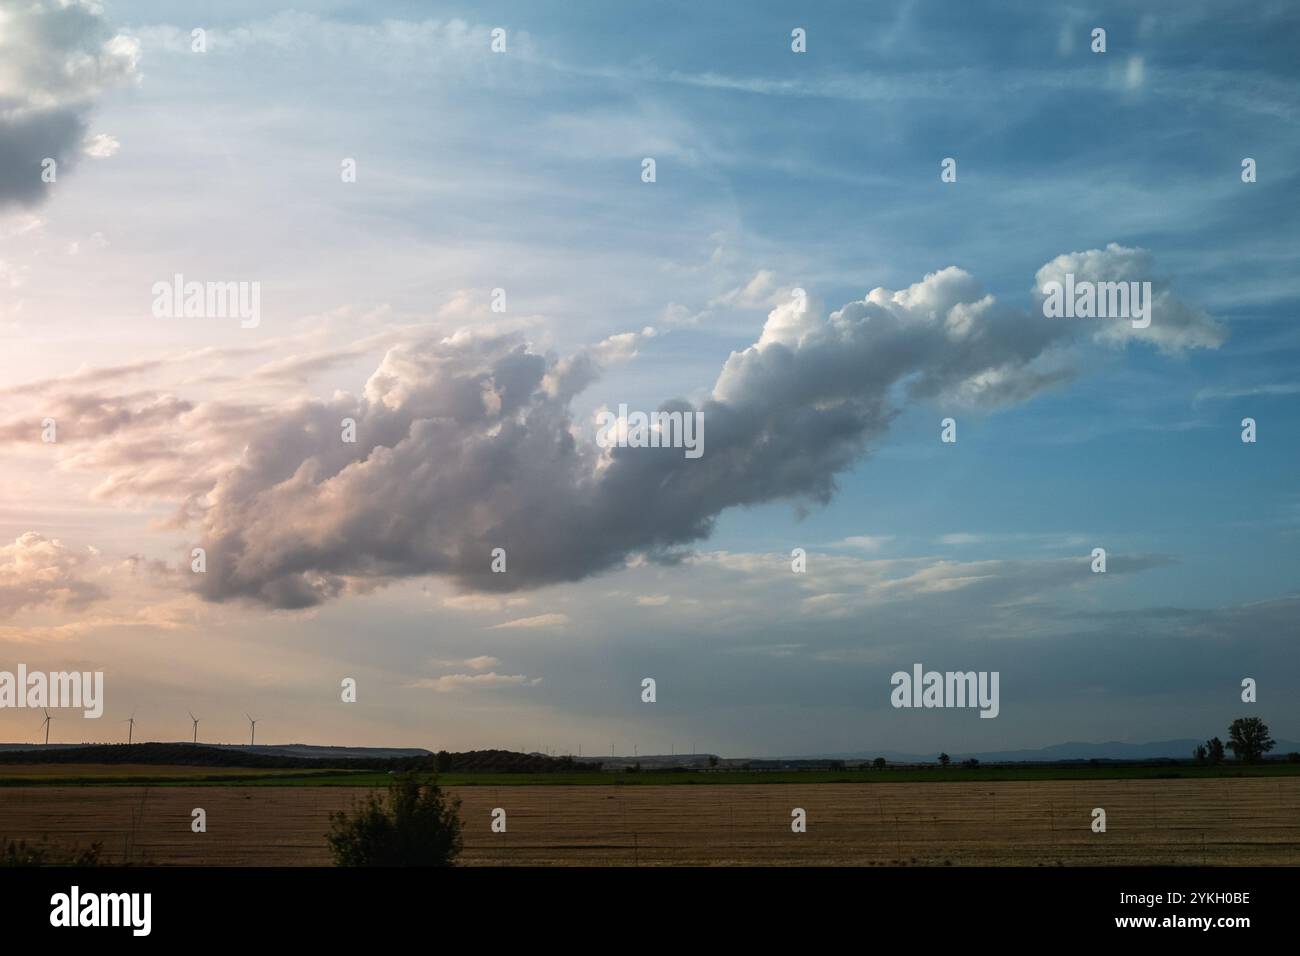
107,775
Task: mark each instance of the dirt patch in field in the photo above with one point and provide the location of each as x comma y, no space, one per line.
1222,821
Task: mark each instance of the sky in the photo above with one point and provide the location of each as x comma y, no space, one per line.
522,170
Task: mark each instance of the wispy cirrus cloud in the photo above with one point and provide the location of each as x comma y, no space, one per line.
1226,393
533,623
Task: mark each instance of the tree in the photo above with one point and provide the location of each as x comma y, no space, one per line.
1215,747
878,763
413,824
1248,737
1200,753
944,760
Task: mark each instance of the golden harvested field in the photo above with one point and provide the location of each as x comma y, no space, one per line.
1230,821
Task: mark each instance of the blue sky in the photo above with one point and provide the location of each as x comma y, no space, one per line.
775,170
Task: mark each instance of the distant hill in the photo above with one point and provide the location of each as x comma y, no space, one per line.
314,752
504,761
1056,753
305,751
290,756
1110,750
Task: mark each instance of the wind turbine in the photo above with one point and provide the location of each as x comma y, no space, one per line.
252,728
196,726
130,732
48,718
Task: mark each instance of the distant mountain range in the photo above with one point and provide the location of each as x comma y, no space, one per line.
1111,750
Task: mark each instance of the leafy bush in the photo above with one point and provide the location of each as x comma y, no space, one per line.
413,824
21,853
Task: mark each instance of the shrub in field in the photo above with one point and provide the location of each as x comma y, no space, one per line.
413,824
21,853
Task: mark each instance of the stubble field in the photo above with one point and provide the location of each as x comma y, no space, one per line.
1228,821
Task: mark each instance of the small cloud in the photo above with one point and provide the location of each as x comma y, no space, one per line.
100,146
474,663
36,571
530,623
621,347
865,542
454,682
481,602
653,600
674,314
759,292
1280,388
961,538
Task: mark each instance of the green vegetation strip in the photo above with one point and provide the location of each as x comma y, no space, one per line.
370,778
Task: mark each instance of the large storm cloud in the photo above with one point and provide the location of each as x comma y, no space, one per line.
468,444
56,57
